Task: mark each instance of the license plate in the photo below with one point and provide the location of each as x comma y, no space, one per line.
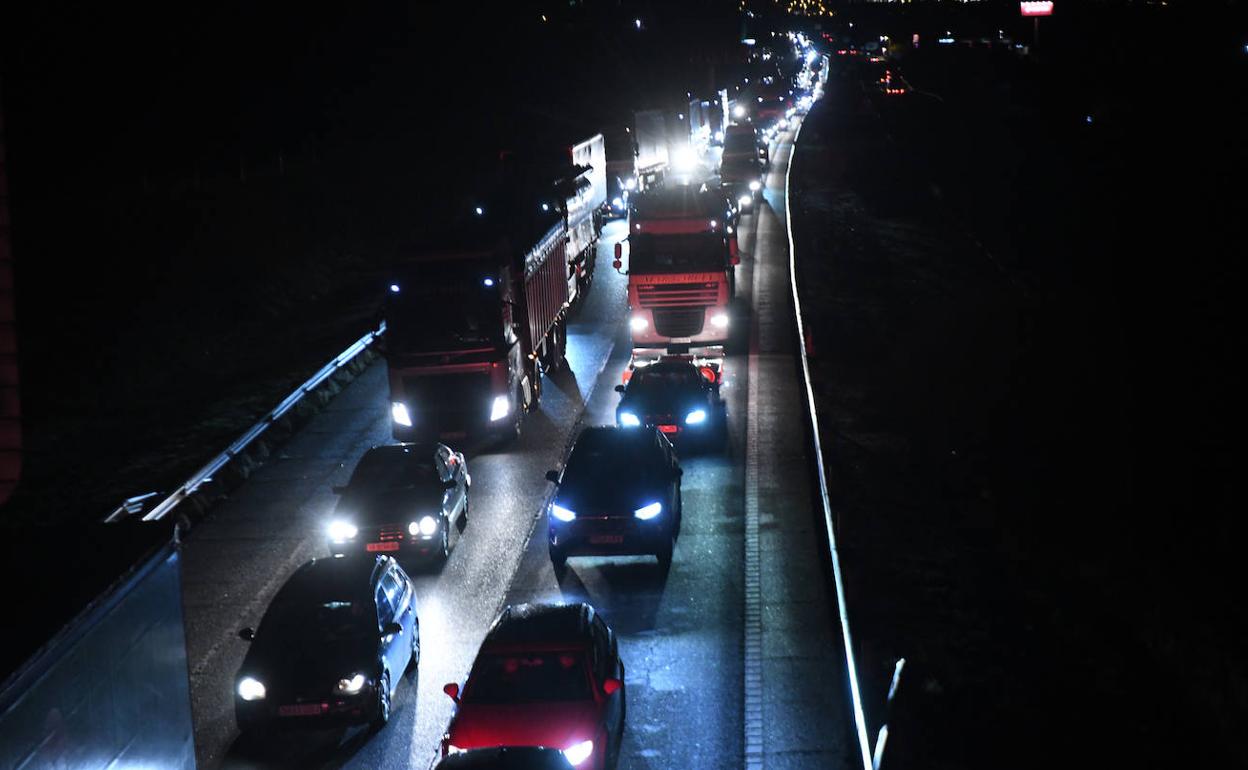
668,428
606,539
300,710
382,547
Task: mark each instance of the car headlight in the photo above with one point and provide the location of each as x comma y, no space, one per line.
453,749
561,513
696,417
250,689
638,323
755,185
647,512
352,685
340,531
630,184
720,320
426,526
744,201
399,413
576,754
500,408
629,420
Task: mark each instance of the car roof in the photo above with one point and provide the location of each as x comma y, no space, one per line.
329,575
604,436
540,625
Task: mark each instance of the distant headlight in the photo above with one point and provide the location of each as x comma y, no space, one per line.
340,531
578,753
696,417
426,526
647,512
618,203
399,412
755,185
250,689
352,685
500,408
630,184
561,513
744,201
638,323
720,320
629,420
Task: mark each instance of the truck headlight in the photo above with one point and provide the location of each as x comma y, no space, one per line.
576,754
341,531
398,411
744,201
561,513
755,185
629,420
500,408
720,320
696,417
638,323
647,512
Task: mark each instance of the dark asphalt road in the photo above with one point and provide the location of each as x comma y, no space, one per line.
703,693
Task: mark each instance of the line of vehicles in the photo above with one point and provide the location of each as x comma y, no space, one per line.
475,319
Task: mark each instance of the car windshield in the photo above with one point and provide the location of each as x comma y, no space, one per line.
529,677
738,144
675,253
445,308
389,469
653,378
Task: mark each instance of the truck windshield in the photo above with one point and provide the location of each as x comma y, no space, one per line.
739,144
442,311
676,253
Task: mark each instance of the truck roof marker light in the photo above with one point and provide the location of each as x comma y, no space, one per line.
545,207
394,288
487,282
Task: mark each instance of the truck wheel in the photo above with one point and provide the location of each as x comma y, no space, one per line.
732,282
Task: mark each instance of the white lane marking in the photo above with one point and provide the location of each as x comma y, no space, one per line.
860,720
753,664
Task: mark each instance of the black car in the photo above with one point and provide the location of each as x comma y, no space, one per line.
677,396
507,758
618,494
331,647
403,500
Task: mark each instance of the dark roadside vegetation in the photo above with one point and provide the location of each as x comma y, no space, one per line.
206,197
1024,285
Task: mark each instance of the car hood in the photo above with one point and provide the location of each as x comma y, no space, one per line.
307,663
622,493
555,725
389,506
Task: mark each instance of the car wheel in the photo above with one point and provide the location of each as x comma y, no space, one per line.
413,662
665,553
446,542
382,714
558,560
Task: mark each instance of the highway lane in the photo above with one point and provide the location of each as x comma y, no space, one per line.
682,636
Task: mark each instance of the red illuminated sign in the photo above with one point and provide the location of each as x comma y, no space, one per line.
1036,8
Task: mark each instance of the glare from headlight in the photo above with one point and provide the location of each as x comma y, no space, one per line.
352,685
647,512
618,203
696,417
426,526
400,414
638,323
630,184
744,201
250,689
340,531
755,185
720,320
500,409
629,420
578,753
561,513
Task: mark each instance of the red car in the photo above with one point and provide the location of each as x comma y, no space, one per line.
546,675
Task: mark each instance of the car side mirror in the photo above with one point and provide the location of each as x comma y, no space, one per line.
452,691
619,388
338,489
552,477
619,252
247,634
611,686
391,629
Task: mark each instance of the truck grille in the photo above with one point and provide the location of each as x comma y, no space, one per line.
652,295
683,322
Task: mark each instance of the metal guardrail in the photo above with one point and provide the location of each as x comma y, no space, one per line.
205,474
860,721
